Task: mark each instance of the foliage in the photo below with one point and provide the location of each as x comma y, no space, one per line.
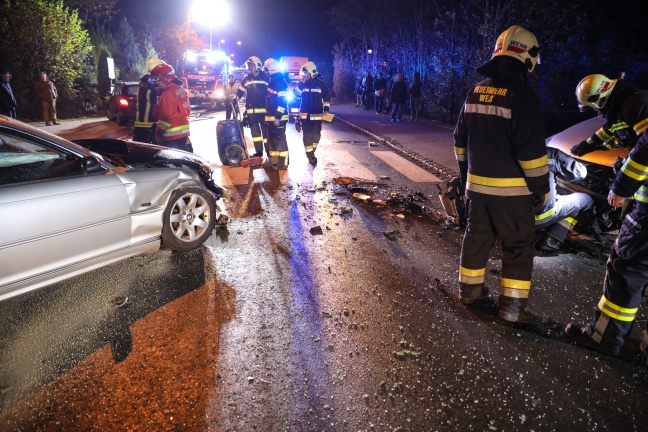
94,13
173,42
52,35
127,54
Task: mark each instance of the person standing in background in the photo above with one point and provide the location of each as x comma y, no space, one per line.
47,94
415,97
7,99
231,104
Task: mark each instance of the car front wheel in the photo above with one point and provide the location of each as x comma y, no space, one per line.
188,219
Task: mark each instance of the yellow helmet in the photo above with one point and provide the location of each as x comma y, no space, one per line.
519,43
309,68
150,65
593,91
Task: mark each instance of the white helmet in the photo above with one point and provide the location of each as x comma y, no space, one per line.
519,43
271,66
256,61
593,91
309,68
152,63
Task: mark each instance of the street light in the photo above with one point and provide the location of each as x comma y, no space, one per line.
204,12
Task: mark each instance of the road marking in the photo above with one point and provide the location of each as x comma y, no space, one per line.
407,168
347,165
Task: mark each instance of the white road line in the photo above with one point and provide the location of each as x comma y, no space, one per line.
407,168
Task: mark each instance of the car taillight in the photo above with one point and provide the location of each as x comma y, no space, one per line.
123,102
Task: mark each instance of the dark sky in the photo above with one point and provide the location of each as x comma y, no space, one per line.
266,28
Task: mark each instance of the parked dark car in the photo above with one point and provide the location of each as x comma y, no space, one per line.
122,103
75,207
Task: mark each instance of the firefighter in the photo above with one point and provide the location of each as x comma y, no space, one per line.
500,149
625,108
276,116
172,109
255,87
560,213
147,97
231,88
315,100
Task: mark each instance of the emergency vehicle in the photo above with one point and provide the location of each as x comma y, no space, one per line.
203,74
291,66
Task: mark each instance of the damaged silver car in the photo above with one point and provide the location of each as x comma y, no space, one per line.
68,208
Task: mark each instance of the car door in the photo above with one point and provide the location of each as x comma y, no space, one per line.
55,218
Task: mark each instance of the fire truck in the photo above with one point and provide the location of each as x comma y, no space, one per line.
203,74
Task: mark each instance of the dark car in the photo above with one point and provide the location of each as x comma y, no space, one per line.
122,103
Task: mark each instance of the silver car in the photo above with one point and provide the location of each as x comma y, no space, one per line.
67,208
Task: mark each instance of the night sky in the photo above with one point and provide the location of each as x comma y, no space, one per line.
266,28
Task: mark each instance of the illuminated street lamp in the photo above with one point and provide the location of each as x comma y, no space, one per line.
204,11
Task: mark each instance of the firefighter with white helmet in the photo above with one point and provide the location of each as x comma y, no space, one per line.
255,87
626,110
500,148
147,95
315,101
172,109
276,115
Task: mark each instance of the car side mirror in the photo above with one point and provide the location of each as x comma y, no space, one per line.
90,164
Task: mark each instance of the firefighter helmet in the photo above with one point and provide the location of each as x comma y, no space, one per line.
152,63
594,91
309,68
271,66
519,43
164,73
256,61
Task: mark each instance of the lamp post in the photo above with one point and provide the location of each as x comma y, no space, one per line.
204,10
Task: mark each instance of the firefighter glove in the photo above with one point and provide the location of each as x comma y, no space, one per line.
246,121
582,148
277,122
298,125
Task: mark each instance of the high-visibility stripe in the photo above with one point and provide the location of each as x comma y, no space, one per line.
283,153
488,110
603,135
618,126
257,139
535,167
642,194
497,186
568,223
640,127
271,91
143,124
635,170
309,148
265,83
539,219
460,153
312,90
255,110
617,312
515,288
471,276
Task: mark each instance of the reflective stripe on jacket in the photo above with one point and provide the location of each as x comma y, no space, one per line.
173,110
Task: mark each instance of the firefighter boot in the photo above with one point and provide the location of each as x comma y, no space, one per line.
482,295
522,318
580,334
549,244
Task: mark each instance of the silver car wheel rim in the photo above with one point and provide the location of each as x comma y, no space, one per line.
189,217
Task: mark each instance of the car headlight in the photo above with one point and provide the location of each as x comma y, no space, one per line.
220,93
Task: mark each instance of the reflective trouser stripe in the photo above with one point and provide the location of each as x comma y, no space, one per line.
615,311
471,277
515,288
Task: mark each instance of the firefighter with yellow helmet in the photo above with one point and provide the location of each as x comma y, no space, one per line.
500,148
315,101
147,96
626,109
276,116
255,87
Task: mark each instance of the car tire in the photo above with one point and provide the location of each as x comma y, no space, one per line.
189,219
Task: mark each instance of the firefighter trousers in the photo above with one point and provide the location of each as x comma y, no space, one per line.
625,281
259,131
277,144
567,211
512,219
312,130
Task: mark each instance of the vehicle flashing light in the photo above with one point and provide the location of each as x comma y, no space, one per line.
123,102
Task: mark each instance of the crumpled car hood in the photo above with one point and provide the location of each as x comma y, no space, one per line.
130,153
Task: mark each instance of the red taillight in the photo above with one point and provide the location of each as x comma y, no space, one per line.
123,102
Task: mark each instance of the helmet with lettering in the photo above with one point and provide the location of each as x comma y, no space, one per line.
271,66
256,61
152,63
164,73
519,43
594,91
309,68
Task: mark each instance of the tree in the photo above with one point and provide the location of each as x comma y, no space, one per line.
172,43
56,43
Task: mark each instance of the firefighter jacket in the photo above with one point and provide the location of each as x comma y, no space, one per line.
564,167
499,141
255,90
277,98
631,179
626,113
173,110
315,98
147,97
